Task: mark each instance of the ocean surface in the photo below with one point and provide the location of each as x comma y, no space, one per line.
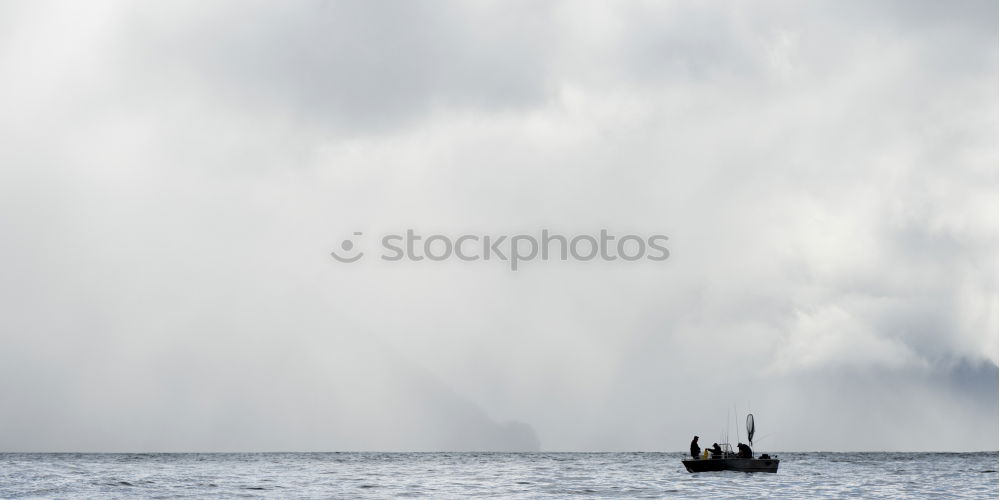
490,475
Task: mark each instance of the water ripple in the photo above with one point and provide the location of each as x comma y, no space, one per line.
490,475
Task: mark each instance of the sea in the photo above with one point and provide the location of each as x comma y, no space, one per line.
489,475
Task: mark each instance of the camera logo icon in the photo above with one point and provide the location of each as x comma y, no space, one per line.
347,246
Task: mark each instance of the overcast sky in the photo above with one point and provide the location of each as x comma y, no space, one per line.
174,175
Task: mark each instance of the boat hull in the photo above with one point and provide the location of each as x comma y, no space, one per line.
734,464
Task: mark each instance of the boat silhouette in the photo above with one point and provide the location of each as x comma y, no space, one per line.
724,458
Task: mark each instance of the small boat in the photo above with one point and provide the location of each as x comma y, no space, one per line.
764,463
728,460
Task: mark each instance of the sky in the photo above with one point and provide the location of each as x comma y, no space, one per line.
175,175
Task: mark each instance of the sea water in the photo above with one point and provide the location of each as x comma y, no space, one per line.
490,475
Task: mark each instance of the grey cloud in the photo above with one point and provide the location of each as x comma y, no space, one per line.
175,176
353,66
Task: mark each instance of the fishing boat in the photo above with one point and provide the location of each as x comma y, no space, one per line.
726,459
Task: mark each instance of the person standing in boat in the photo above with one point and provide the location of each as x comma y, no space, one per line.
695,449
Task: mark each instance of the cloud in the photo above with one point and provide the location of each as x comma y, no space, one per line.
353,67
176,175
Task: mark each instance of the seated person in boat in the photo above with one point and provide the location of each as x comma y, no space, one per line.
745,451
716,450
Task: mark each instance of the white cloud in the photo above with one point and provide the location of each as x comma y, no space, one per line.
174,176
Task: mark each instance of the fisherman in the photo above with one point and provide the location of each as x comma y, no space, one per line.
695,449
745,451
716,450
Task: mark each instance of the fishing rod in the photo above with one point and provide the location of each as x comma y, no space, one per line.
736,418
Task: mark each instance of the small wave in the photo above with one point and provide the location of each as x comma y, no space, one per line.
116,483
